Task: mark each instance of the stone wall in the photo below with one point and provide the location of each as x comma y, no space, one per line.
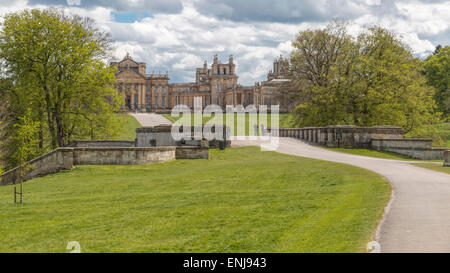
52,162
66,158
102,143
419,148
385,138
122,156
405,143
447,158
162,136
342,136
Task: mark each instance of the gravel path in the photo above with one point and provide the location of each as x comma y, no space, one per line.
150,119
418,216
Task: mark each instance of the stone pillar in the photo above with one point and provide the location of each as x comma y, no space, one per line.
143,96
138,91
447,158
329,137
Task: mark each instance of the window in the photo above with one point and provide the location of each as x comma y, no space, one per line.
218,100
164,89
148,99
157,100
156,89
224,71
149,90
163,101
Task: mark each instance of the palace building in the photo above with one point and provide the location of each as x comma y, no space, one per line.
216,84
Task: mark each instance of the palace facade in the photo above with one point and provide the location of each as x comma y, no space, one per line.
217,84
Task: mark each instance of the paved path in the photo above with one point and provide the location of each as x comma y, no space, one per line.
418,217
150,119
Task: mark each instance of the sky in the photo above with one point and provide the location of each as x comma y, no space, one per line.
179,35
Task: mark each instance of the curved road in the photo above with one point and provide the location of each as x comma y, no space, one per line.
418,216
150,119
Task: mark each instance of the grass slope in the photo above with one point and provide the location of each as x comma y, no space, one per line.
129,128
241,200
434,167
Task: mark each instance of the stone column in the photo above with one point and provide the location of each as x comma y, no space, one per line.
144,102
132,98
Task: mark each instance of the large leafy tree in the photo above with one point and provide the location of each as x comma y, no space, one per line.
437,70
55,65
372,79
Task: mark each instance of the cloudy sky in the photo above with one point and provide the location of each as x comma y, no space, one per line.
178,35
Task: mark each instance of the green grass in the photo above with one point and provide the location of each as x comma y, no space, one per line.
284,120
241,200
129,128
372,153
434,167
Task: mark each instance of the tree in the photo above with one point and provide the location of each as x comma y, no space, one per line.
321,60
437,71
26,147
56,64
369,80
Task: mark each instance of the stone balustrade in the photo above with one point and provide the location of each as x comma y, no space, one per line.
342,136
383,138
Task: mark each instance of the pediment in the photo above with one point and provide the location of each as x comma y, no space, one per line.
128,74
128,63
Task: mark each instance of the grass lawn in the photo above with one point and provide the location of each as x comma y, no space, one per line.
241,200
284,120
129,128
372,153
434,167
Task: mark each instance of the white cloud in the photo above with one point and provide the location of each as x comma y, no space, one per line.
178,37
